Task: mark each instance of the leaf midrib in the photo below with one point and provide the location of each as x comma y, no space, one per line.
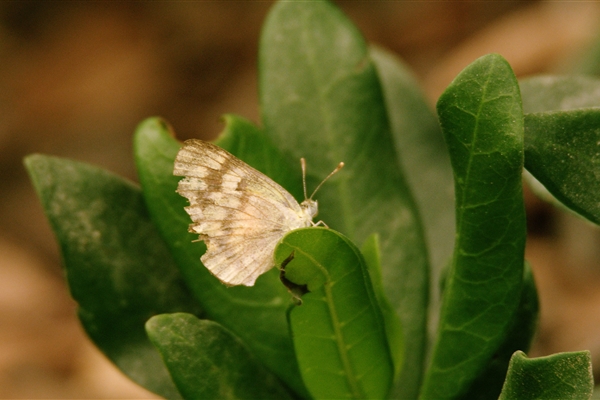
467,179
335,321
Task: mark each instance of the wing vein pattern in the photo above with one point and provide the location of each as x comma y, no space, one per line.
239,212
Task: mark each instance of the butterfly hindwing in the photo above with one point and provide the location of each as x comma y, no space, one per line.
239,212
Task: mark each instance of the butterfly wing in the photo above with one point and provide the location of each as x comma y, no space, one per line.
238,212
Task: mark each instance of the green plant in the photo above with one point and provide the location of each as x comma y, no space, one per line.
361,331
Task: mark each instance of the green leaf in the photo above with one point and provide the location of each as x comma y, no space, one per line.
257,315
393,325
424,157
481,117
559,376
562,151
338,331
560,146
321,99
118,268
559,93
423,153
522,328
207,361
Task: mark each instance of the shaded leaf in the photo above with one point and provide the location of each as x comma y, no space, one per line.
423,155
559,376
321,99
560,140
422,151
559,93
207,361
562,151
481,117
338,331
118,268
393,325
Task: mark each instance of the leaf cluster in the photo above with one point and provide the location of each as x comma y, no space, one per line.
361,330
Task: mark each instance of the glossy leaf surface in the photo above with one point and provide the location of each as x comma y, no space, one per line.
207,361
559,376
118,267
481,117
338,330
321,99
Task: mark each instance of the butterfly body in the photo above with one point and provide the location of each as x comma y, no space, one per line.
239,212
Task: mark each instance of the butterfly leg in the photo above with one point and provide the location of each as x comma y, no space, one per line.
321,222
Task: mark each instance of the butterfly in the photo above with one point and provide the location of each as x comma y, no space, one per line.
239,212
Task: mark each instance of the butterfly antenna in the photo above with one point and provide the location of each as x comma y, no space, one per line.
303,164
340,166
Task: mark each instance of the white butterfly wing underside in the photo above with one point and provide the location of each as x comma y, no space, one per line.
238,212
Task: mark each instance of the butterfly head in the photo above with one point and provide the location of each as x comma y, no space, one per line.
310,208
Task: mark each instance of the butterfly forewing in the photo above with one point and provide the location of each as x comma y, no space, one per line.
239,212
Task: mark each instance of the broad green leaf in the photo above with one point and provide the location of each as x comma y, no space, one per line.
393,325
423,153
481,117
338,331
522,328
559,376
118,268
207,361
560,147
321,99
562,151
258,314
424,157
559,93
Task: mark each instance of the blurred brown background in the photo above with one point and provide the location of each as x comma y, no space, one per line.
76,78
